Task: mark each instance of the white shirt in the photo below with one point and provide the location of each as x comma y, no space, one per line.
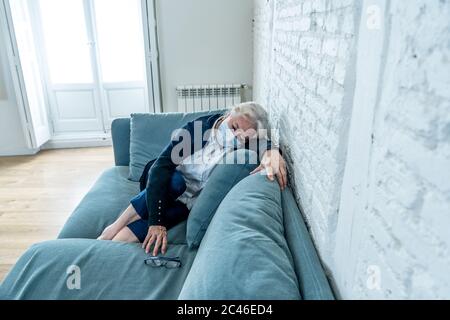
197,168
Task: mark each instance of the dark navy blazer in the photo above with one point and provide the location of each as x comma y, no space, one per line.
162,168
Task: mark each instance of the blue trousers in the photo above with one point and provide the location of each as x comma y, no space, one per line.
176,211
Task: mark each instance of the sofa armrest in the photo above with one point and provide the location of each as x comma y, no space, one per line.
120,133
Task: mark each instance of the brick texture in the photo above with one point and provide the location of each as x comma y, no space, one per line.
408,222
300,78
304,54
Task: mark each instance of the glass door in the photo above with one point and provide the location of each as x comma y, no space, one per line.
27,75
121,57
73,92
94,53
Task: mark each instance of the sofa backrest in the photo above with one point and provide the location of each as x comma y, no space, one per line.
312,279
257,247
121,131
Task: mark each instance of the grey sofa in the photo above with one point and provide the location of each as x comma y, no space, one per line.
256,247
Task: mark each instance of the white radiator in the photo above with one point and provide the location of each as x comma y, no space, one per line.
208,97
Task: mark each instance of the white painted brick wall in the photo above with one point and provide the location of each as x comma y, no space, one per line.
300,80
408,225
304,56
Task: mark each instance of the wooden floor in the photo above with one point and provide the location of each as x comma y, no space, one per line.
38,193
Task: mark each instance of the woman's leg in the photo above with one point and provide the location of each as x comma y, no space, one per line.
128,216
138,210
136,230
125,235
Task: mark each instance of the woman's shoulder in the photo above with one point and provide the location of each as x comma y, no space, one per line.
209,119
211,116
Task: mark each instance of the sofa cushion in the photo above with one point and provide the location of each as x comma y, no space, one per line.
107,269
104,202
150,133
235,167
244,254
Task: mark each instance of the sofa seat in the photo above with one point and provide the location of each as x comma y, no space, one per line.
107,270
104,202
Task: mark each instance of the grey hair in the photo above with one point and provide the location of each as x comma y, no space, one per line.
255,113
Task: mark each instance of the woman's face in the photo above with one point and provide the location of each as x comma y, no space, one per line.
241,127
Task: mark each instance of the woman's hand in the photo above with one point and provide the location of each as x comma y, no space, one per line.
157,235
274,165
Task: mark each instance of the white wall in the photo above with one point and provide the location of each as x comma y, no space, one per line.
3,91
12,138
203,42
299,75
362,104
404,220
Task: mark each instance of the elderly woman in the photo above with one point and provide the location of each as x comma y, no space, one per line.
175,180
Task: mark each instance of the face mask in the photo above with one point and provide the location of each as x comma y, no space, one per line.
226,138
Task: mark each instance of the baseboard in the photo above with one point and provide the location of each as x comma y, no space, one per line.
19,152
63,142
78,141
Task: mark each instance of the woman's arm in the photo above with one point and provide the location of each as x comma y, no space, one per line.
270,159
157,195
181,146
275,166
